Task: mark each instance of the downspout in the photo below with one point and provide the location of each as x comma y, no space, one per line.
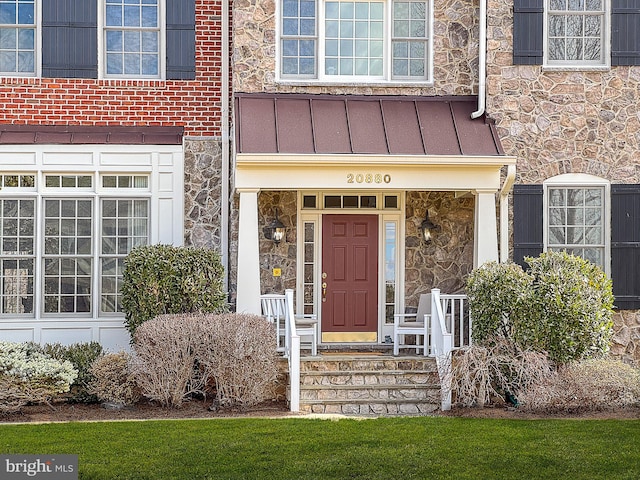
482,60
504,213
224,120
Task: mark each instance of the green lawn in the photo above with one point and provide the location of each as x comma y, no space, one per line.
389,448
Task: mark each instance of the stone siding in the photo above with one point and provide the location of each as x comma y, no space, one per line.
455,62
203,192
283,255
558,122
448,259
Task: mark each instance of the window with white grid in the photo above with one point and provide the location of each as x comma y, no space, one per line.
17,255
576,221
576,32
380,40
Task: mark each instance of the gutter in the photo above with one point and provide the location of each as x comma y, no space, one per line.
224,120
504,213
482,60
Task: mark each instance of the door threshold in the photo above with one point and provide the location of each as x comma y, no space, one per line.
350,337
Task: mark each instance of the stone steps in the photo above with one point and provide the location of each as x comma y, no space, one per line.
369,385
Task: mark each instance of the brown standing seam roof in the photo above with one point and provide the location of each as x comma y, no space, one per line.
342,124
87,134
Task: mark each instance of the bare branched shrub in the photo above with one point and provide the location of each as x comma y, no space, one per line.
595,384
113,379
481,374
165,361
178,356
242,359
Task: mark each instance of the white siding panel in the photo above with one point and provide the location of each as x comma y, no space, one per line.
165,159
67,158
165,182
164,219
125,159
13,158
66,336
17,335
114,339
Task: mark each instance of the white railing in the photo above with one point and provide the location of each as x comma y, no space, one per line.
292,352
278,309
450,329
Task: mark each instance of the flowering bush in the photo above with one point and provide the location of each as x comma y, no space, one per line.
29,376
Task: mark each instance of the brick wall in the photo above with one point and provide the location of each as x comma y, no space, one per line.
192,104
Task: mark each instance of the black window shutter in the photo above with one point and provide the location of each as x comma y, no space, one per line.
625,32
528,16
625,245
527,222
181,39
69,39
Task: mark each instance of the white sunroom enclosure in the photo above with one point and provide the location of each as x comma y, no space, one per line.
69,214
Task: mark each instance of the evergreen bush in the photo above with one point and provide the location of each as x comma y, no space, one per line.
163,279
82,356
570,308
562,306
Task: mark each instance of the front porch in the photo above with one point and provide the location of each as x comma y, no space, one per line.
374,379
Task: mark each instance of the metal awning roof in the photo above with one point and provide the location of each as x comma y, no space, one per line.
346,124
89,134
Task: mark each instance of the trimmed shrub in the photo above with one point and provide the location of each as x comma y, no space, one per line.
113,379
82,356
593,384
166,351
563,306
571,308
29,376
163,279
242,359
178,356
498,294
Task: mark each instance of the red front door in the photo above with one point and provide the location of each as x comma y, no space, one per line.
350,278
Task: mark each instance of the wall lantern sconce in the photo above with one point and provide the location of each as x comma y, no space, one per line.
427,228
275,231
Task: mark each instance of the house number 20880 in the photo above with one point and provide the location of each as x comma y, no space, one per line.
368,178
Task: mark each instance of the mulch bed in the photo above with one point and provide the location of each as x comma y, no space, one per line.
70,412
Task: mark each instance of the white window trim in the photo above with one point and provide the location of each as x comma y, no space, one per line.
323,79
578,65
37,56
580,180
162,63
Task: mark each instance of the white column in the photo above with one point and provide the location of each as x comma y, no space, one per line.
485,246
248,293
